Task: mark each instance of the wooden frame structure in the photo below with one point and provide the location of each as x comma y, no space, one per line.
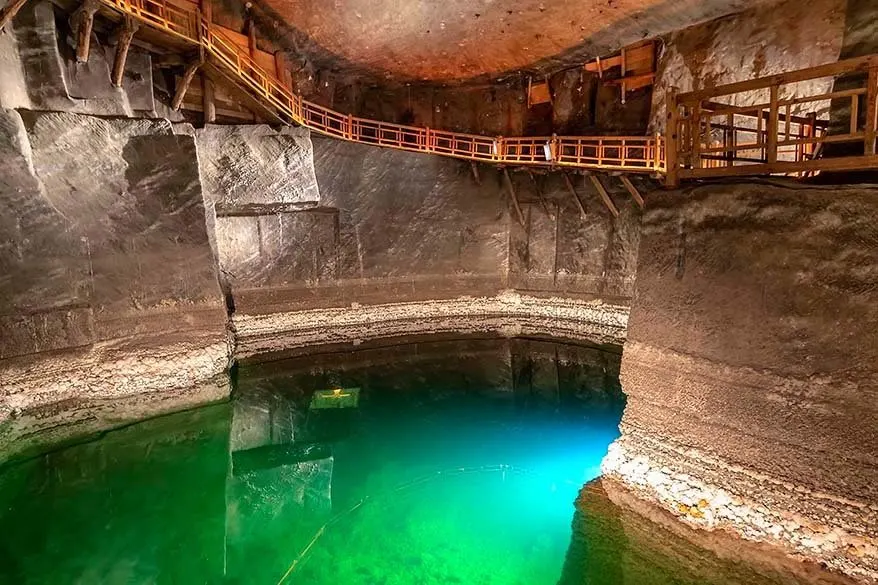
777,130
223,58
709,133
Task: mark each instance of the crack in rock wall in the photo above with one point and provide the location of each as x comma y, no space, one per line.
752,394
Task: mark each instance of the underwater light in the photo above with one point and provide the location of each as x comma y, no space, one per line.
335,398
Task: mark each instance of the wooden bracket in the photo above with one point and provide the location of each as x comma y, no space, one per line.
183,87
605,197
635,194
573,192
126,35
8,12
83,21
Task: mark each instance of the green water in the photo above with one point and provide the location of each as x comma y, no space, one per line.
460,463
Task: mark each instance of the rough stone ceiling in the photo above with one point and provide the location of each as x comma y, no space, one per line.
446,40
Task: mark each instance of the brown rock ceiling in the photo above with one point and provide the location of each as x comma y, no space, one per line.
437,40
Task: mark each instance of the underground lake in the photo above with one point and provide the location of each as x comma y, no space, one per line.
443,461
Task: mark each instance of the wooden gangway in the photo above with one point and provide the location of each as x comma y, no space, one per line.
773,125
630,154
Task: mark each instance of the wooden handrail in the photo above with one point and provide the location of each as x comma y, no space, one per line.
689,151
618,153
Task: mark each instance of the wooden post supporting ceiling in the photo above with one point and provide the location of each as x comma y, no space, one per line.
514,197
8,12
573,192
209,100
84,19
605,197
635,194
126,35
183,87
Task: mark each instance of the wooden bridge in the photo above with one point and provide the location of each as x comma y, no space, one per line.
763,126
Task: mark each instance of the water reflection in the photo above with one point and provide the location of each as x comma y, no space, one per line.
457,462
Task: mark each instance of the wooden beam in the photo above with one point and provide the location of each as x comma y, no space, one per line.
183,87
8,12
514,197
635,194
573,192
84,17
605,197
126,35
208,100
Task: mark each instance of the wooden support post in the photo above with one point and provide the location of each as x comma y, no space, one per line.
191,69
871,111
514,197
126,35
672,143
635,194
209,100
772,129
605,197
84,19
573,192
8,12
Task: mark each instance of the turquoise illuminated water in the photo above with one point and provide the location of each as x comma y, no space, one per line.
452,462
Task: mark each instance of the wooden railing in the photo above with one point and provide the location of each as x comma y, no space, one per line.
778,130
614,153
710,133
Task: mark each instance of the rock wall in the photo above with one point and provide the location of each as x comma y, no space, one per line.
765,40
106,272
749,367
394,229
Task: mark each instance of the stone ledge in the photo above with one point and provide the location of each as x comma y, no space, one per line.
53,397
508,313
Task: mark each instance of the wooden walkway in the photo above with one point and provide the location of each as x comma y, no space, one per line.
630,154
765,126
